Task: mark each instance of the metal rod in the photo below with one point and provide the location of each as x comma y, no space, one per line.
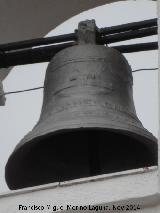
73,36
45,54
30,56
128,35
137,47
128,27
38,42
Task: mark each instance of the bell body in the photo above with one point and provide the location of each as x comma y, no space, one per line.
88,124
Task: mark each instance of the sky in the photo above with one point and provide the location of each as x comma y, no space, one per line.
22,110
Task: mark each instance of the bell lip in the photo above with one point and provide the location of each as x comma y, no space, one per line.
138,133
150,143
126,129
151,140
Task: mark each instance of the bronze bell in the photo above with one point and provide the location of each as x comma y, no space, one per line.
88,124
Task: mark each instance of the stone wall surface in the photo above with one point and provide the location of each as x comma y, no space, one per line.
134,187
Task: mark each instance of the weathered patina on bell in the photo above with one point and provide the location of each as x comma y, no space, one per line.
88,124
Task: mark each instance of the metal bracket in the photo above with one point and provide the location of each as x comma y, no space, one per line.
2,97
87,32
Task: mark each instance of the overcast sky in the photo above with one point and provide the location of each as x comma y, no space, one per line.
22,110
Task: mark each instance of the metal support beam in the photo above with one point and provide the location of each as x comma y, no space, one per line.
102,32
44,54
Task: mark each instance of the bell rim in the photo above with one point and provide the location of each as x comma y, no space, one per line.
128,128
150,144
139,136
